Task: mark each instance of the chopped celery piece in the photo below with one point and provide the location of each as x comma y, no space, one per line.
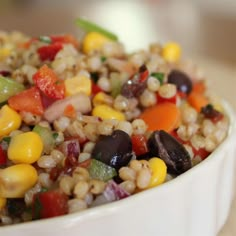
46,136
115,86
101,171
8,88
90,26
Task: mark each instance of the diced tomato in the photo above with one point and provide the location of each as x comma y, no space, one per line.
49,204
67,38
29,100
139,144
3,157
48,52
46,80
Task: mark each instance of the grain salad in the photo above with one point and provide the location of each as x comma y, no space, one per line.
84,123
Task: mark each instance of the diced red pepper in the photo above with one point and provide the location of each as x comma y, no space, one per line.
28,100
67,38
47,101
70,111
48,52
49,204
160,99
95,89
55,172
3,157
86,163
139,144
201,152
27,44
47,81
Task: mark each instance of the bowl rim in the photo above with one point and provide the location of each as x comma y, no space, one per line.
106,209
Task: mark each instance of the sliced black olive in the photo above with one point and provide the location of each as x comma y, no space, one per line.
114,150
173,153
181,80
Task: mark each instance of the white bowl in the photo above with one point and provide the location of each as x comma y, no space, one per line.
193,204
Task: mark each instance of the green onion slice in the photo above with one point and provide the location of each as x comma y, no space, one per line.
90,26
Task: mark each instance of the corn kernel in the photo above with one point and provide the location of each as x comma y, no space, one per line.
25,148
101,98
10,120
159,170
78,84
171,52
218,107
16,180
106,112
94,41
3,202
4,52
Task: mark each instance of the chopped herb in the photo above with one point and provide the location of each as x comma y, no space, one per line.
37,208
45,39
94,76
43,190
90,26
7,139
159,76
55,135
103,58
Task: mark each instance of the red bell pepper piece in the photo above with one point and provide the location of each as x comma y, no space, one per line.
143,74
48,52
28,100
139,144
201,152
49,204
67,38
95,89
3,157
47,82
161,99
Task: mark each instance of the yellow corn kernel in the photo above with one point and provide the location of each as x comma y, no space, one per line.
16,180
106,112
101,98
78,84
159,170
171,52
25,148
10,120
218,107
94,41
4,52
3,202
